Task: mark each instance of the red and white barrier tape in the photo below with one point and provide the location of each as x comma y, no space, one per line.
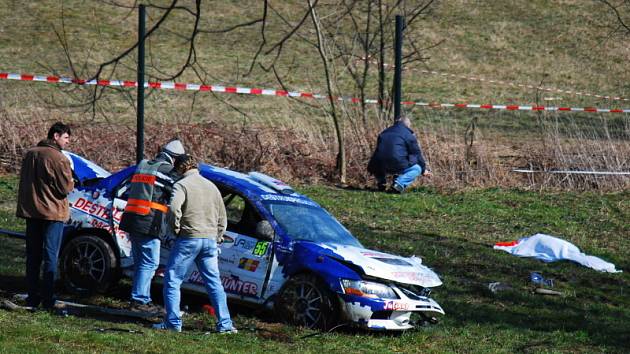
573,172
273,92
508,83
521,108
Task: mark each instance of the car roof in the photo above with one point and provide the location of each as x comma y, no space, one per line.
252,187
255,186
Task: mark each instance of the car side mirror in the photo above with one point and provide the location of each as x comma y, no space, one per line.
265,231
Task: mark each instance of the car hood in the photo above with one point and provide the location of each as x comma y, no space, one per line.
409,270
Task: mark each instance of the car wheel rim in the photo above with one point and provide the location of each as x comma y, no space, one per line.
308,303
87,264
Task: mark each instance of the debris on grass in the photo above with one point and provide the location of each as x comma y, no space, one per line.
543,291
498,287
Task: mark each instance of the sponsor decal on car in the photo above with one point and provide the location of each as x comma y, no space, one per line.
99,224
231,260
245,243
248,264
96,209
396,306
375,254
195,277
261,248
284,198
237,286
413,276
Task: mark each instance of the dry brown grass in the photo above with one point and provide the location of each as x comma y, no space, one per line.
303,151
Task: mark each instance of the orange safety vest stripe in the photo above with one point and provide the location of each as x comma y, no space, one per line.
147,204
140,202
143,178
137,210
161,207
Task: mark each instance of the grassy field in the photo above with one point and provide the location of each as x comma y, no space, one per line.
564,44
453,233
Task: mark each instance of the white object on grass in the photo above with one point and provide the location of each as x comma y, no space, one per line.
550,249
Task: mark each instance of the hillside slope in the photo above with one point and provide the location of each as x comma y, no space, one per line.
565,45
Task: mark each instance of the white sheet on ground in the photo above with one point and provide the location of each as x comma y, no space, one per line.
549,249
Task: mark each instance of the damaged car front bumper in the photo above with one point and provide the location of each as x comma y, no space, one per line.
378,313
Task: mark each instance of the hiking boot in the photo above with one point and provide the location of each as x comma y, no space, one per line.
163,326
148,307
229,331
397,188
232,330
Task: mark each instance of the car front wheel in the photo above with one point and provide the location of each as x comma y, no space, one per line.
88,264
306,301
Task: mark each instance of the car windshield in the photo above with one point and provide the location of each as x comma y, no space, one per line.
310,223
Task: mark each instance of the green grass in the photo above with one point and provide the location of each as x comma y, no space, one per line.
452,232
566,43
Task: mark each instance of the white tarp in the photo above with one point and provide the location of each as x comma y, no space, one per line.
550,249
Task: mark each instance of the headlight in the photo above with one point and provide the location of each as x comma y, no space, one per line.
367,289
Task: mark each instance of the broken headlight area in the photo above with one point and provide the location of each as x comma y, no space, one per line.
414,292
367,289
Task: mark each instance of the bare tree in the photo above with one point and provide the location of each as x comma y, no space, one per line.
621,10
346,35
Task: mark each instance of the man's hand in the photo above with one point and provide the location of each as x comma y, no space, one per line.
427,173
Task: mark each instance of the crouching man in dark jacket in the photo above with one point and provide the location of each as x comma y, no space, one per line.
397,153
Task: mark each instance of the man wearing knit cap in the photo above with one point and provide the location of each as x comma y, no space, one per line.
145,219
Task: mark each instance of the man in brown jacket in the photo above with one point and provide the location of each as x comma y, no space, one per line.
45,182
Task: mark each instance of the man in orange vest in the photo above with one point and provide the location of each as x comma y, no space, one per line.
145,219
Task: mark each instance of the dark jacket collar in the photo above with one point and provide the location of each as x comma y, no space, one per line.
49,143
401,125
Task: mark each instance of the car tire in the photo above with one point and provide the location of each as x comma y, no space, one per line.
88,265
306,301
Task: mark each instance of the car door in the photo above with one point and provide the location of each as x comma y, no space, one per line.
244,258
121,194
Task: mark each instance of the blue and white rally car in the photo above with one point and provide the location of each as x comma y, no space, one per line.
282,251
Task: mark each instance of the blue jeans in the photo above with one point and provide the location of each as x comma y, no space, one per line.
408,176
203,252
146,258
405,178
43,240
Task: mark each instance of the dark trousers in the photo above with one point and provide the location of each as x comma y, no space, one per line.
43,240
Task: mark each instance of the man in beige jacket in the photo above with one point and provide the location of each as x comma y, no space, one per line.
199,220
45,182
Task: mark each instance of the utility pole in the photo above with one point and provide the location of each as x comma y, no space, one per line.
400,25
140,80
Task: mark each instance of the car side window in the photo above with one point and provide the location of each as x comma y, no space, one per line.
234,206
241,215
